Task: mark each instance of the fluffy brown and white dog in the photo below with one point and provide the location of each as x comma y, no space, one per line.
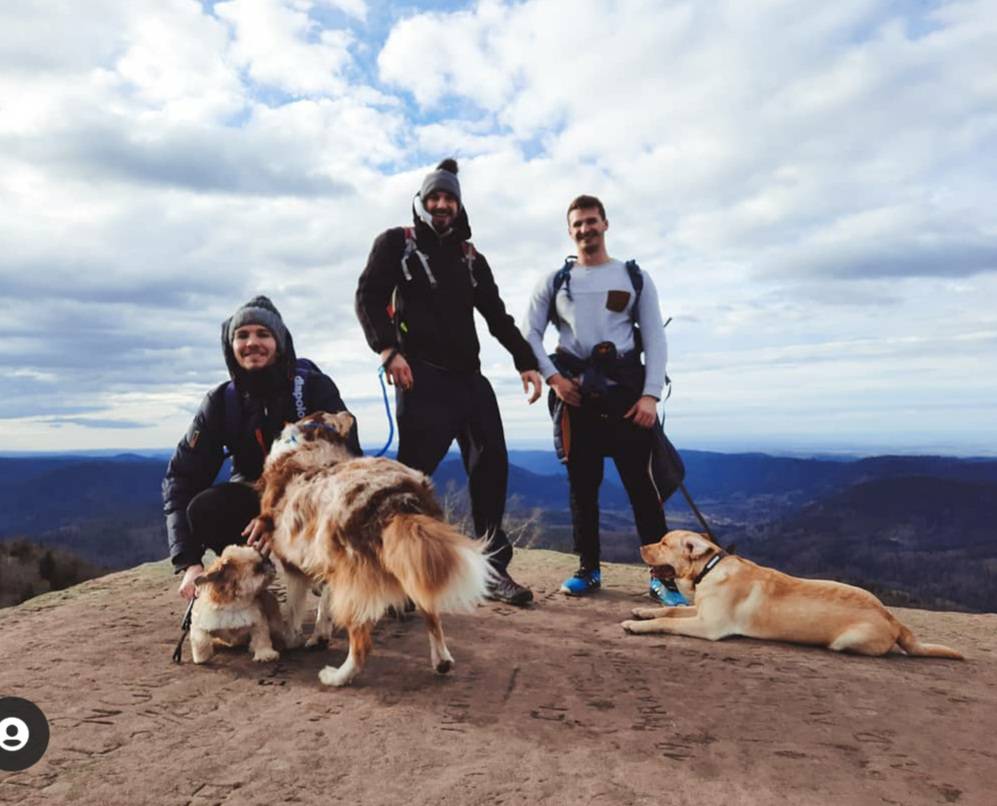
734,596
372,530
234,606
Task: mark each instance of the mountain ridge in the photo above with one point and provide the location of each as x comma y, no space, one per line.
784,510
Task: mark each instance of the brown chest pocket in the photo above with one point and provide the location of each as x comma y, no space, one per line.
616,301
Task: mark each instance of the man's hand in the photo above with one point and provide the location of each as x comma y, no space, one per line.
644,412
566,389
257,534
398,371
187,589
532,378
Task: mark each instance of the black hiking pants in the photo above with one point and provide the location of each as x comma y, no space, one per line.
442,406
598,432
218,515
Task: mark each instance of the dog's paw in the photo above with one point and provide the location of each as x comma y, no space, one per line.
315,641
444,666
643,612
331,676
266,656
629,626
294,640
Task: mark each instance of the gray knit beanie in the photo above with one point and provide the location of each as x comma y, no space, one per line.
443,178
259,311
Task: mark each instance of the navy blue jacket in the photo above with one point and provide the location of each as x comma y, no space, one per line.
200,454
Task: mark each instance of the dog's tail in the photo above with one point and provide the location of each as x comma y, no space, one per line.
908,643
439,568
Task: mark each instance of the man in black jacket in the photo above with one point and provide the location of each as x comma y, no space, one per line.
416,300
269,388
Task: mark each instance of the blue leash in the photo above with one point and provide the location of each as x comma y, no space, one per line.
387,411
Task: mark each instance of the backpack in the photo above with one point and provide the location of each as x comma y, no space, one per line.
233,413
412,248
563,279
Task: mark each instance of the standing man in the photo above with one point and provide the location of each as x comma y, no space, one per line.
604,400
416,300
269,387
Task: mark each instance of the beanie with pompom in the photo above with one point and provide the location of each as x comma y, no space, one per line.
443,178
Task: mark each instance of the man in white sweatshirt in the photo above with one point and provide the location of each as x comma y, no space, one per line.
604,399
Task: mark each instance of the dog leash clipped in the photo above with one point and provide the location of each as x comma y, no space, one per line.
710,565
387,406
184,629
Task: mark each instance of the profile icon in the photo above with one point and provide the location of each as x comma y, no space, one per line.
24,734
14,734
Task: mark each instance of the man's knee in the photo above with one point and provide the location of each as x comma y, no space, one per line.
218,515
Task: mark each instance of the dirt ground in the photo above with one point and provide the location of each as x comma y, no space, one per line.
549,704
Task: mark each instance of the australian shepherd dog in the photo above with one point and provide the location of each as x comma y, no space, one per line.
372,530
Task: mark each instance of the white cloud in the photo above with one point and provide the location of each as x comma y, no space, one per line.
809,186
282,47
177,65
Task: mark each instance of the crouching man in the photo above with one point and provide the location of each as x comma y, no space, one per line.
269,387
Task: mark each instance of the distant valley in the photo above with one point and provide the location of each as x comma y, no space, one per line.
917,530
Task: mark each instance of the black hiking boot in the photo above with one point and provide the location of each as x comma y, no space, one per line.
505,589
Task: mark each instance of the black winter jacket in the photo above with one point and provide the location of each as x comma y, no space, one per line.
438,324
200,454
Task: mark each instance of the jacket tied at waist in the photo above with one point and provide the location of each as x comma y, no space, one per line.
596,375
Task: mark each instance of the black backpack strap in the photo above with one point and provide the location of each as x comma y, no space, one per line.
470,254
561,279
232,418
232,414
301,366
636,280
412,248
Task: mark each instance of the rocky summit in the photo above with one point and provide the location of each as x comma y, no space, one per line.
549,704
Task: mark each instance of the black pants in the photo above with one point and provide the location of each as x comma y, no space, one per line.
442,406
598,432
218,515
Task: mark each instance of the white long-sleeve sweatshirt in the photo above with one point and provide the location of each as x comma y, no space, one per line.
599,310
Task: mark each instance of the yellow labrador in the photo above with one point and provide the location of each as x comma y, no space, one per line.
734,596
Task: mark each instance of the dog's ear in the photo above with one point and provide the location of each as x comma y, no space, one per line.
215,575
696,546
342,422
225,581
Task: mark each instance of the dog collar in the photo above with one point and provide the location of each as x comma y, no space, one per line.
317,427
710,565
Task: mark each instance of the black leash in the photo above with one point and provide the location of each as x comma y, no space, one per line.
697,513
184,629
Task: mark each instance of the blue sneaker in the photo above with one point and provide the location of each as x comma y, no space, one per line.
582,583
669,597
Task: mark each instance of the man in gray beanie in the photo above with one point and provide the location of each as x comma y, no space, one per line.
416,300
269,387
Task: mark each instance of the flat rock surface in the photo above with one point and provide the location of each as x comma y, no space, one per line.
549,704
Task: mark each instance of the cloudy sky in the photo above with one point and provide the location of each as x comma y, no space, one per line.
811,186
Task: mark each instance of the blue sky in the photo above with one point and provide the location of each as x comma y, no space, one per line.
811,188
